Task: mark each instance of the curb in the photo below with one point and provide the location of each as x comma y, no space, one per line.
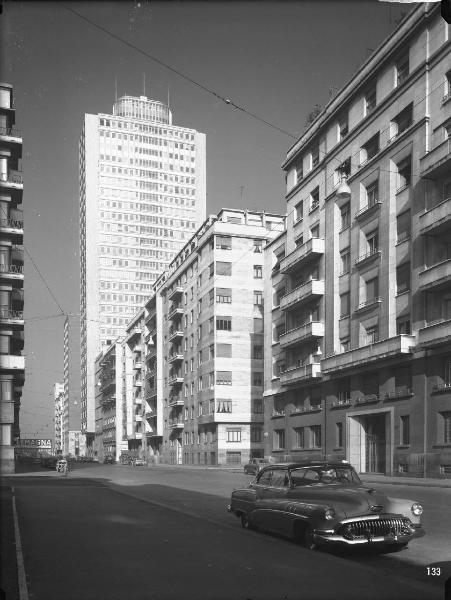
21,575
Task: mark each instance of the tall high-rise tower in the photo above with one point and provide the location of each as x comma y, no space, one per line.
142,195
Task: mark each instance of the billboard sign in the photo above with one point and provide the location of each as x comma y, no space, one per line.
40,444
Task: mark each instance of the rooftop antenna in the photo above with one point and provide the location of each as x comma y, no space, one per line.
144,84
169,106
115,87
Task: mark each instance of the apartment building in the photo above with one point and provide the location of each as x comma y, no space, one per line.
203,346
58,396
12,362
108,407
142,195
358,313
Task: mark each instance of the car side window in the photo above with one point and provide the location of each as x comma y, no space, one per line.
310,476
265,478
279,478
303,477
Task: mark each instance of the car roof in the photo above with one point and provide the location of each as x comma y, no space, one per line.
315,463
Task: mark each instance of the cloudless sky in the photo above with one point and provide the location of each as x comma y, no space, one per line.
277,59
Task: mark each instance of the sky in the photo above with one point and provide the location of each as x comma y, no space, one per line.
277,59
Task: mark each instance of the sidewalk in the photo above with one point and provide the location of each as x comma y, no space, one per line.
8,584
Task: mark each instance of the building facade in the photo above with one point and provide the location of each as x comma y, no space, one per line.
201,348
142,195
58,396
358,313
109,385
12,362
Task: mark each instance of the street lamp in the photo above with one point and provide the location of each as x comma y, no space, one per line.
343,190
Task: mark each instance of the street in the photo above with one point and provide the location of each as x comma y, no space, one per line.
108,532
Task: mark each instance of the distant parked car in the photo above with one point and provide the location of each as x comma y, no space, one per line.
139,462
109,460
325,504
254,465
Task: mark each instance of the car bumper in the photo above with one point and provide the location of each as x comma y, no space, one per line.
331,538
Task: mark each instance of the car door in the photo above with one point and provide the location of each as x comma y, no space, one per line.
271,490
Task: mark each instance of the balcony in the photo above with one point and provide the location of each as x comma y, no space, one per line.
367,257
176,401
437,219
12,362
10,136
176,380
177,423
150,393
175,358
368,304
303,410
398,393
301,334
13,317
277,414
136,331
175,313
137,382
175,334
368,210
138,400
367,399
13,180
436,162
395,346
435,335
295,375
307,291
137,364
436,277
310,250
341,403
175,293
12,226
138,417
11,271
441,388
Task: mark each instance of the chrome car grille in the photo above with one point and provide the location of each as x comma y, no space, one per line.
376,527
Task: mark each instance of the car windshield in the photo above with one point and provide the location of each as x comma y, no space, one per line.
322,475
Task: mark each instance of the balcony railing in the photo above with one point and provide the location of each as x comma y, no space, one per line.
175,313
177,291
436,161
11,132
294,375
11,223
175,380
367,399
174,334
303,410
305,332
371,254
312,288
9,314
12,269
436,218
436,276
397,393
366,304
311,249
13,177
368,209
176,424
277,413
394,346
441,387
176,357
435,335
341,403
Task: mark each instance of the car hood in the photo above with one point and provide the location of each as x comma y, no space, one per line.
350,501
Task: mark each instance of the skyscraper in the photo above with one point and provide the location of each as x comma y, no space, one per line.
142,196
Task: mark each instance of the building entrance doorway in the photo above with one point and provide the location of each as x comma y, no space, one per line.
374,427
369,441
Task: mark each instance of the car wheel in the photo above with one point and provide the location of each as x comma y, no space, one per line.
245,523
308,539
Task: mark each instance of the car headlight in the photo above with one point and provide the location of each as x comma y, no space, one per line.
329,514
416,509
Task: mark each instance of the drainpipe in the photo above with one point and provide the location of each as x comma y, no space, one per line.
425,424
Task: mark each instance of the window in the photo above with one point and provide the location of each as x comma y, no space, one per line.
224,324
345,260
299,171
258,246
345,216
402,69
315,436
232,458
256,434
339,435
403,278
258,272
280,330
370,149
401,122
314,198
403,226
192,363
299,436
404,430
345,305
223,350
258,325
257,352
211,296
224,242
211,351
211,269
445,427
258,298
315,157
234,435
345,344
404,174
343,127
211,322
372,193
257,378
223,377
372,335
403,326
370,101
299,241
257,406
224,406
223,268
372,242
279,439
372,289
299,210
223,295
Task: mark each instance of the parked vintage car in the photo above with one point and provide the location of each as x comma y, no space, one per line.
325,503
139,462
109,460
254,465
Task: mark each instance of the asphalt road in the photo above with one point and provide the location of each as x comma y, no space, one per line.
106,533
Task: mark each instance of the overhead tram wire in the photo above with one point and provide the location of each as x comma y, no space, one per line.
179,73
